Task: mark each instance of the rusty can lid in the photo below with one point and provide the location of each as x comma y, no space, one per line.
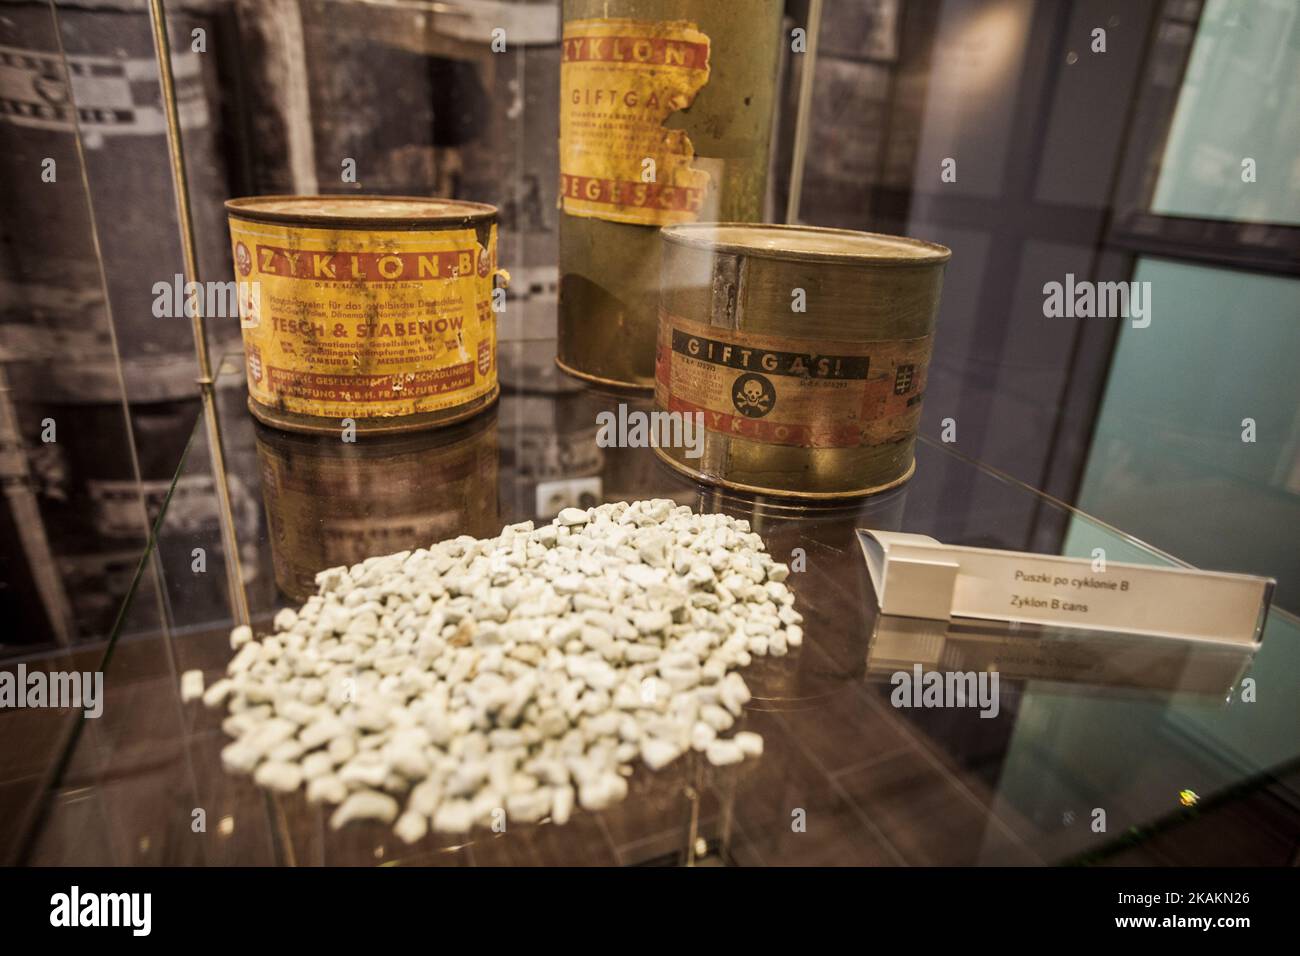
361,212
807,243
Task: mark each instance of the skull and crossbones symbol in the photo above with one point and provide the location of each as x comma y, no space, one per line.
753,397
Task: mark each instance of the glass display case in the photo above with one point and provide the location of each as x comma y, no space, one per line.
1138,728
147,512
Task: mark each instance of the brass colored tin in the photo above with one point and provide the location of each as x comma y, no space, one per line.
804,350
371,310
332,503
609,250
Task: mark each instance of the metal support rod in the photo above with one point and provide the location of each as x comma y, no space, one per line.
803,119
207,387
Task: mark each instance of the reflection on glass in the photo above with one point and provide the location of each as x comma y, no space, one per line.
331,502
1032,652
1236,131
1184,431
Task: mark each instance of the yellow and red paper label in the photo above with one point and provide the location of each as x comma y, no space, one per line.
784,391
619,81
343,323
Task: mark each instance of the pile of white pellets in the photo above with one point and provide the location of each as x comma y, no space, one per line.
515,675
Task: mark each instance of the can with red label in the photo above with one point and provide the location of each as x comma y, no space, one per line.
800,352
376,313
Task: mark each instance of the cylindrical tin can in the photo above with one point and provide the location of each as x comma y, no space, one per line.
665,117
803,350
374,309
321,73
331,503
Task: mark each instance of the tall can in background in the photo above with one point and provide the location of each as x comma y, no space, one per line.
802,352
372,310
665,117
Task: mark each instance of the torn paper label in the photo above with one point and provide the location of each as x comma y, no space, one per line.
620,79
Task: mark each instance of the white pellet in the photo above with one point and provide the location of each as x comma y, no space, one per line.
724,752
191,686
411,826
278,775
365,805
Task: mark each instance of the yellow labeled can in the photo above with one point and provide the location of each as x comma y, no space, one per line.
665,117
373,312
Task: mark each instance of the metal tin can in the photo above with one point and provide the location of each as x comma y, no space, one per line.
802,350
665,117
374,309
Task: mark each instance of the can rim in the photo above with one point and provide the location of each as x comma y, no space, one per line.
304,423
696,235
456,211
786,493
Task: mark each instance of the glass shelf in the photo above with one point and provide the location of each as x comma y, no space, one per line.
1133,728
